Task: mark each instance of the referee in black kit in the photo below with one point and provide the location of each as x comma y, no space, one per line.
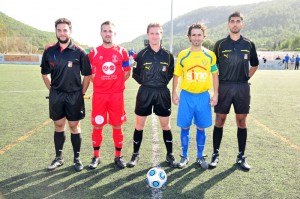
234,53
154,70
66,62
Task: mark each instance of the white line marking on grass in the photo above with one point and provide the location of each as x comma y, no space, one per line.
155,142
276,134
24,137
155,193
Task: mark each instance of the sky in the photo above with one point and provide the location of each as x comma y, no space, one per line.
130,17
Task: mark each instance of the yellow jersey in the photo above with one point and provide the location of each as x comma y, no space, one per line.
195,69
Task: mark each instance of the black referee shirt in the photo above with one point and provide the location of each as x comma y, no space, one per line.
153,69
233,58
65,67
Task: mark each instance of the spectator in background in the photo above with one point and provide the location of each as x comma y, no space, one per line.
264,59
297,62
132,54
286,60
278,58
292,60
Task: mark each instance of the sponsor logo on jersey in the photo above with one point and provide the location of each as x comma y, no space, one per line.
108,68
193,75
147,65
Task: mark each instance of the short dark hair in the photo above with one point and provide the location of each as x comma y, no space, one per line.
151,25
107,23
236,14
63,21
197,26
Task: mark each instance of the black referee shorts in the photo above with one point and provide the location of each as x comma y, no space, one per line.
69,105
158,99
237,94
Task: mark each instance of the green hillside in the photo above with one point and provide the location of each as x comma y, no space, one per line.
271,25
17,37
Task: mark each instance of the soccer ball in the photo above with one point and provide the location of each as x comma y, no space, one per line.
156,177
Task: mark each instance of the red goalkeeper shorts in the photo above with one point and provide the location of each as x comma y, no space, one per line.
108,108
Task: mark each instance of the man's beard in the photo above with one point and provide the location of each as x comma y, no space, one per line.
197,44
235,31
107,41
63,41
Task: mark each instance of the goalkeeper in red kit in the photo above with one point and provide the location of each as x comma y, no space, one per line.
110,66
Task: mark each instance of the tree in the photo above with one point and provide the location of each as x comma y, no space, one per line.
295,43
285,45
208,44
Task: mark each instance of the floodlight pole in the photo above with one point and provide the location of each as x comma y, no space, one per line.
171,32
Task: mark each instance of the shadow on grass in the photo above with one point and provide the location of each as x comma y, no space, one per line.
66,183
175,190
104,182
187,175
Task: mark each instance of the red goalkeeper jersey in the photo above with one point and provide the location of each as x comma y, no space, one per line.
108,66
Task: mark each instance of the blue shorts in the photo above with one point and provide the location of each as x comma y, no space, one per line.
195,106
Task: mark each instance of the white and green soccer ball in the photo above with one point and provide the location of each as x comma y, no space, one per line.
156,177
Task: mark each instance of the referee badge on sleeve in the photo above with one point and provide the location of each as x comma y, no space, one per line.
70,63
245,56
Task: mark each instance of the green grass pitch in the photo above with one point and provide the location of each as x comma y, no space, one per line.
26,147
